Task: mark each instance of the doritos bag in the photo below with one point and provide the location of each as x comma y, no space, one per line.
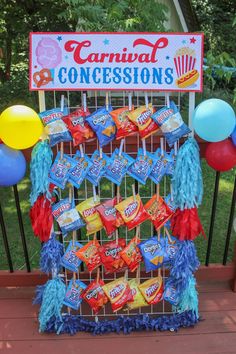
132,211
79,129
141,117
109,215
95,296
89,213
124,126
159,211
110,253
152,290
153,252
131,254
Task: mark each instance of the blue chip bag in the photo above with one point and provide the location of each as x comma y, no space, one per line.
171,123
170,293
70,260
171,205
56,128
153,252
171,160
159,168
118,166
103,125
98,167
171,249
67,216
142,166
78,173
59,172
73,297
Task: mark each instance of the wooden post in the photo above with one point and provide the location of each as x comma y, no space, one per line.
234,261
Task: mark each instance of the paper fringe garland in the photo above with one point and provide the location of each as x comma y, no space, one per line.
52,302
41,218
189,298
38,299
187,180
186,225
41,161
50,256
72,324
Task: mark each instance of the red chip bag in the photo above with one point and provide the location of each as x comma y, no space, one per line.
159,211
110,255
141,117
131,254
132,211
124,126
108,215
79,129
90,255
119,293
95,295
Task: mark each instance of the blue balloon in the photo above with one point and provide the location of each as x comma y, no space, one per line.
233,136
214,120
12,166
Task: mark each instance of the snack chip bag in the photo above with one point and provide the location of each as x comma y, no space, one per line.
70,260
159,211
97,170
95,296
124,126
170,293
171,123
142,166
171,205
171,163
73,297
78,173
160,167
56,128
67,216
152,251
132,211
89,255
59,172
171,249
141,117
110,253
88,211
152,290
118,166
139,300
103,125
79,129
131,254
109,215
119,293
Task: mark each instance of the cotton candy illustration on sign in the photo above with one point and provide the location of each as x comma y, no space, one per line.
49,56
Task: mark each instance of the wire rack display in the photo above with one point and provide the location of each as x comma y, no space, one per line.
107,190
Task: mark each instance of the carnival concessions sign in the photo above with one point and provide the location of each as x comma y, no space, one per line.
116,61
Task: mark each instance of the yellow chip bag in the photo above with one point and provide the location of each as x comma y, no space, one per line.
88,211
141,117
139,300
152,290
118,292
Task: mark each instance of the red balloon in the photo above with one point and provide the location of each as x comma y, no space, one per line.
221,155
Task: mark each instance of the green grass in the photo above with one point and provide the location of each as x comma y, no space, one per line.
33,244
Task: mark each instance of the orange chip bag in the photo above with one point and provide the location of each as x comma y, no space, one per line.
138,300
152,290
132,211
119,293
131,254
159,211
90,255
141,117
124,126
88,211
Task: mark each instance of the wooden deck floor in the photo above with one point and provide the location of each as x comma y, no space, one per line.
216,334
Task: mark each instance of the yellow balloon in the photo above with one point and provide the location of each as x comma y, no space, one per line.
20,127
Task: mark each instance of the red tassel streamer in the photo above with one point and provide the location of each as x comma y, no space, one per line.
41,218
186,225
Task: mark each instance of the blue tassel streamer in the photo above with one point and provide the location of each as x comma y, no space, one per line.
72,324
39,294
41,161
51,254
52,302
189,298
187,179
184,264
